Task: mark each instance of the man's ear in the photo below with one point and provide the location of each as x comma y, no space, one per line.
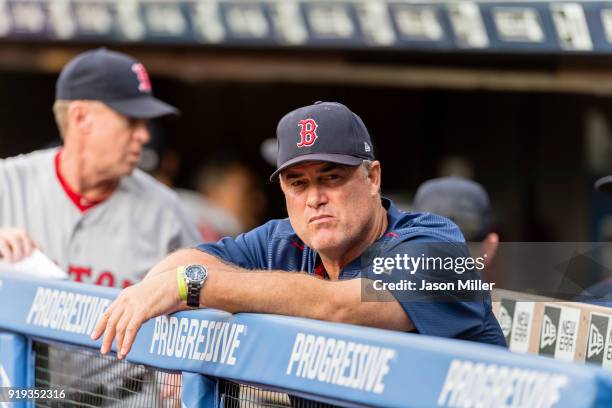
79,116
489,246
374,176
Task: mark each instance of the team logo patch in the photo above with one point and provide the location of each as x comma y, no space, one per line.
515,321
549,332
144,83
559,332
596,342
308,132
505,321
597,347
523,319
506,317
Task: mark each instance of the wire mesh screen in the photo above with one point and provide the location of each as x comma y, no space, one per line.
90,379
235,395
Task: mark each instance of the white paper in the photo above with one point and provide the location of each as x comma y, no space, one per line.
35,265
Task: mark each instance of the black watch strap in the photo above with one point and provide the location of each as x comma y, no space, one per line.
193,294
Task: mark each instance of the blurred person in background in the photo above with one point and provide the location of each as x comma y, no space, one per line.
87,206
232,200
467,204
226,199
158,158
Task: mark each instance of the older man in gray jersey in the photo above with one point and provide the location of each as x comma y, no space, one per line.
86,206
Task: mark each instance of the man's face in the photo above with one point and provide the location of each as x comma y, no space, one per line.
112,143
331,206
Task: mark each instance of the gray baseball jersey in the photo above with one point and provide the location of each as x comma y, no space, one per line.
113,243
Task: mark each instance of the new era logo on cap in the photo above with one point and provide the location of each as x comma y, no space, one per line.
324,131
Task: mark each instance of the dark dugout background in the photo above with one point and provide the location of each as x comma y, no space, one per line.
524,131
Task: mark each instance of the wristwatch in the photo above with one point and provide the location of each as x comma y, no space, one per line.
195,276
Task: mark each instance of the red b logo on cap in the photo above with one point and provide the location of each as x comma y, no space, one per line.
308,132
144,83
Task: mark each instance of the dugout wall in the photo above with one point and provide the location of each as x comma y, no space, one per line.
332,363
519,91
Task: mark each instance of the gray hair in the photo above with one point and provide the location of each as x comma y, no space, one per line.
365,165
60,111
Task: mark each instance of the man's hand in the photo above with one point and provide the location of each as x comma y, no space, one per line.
136,304
15,244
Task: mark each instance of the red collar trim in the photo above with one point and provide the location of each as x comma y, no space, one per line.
321,272
295,244
81,202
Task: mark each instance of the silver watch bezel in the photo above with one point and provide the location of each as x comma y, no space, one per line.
194,286
189,281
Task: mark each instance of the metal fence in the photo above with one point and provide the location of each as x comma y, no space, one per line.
91,379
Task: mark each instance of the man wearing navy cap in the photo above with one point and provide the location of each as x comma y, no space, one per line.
312,264
85,205
466,203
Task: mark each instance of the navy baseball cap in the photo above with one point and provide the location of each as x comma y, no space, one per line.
463,201
113,78
324,131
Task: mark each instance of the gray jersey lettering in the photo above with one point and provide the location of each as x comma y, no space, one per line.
114,243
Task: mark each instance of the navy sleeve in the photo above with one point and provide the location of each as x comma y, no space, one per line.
248,250
454,314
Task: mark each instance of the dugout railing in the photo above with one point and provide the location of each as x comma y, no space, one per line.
227,360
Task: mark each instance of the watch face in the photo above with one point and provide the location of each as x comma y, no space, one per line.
195,273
